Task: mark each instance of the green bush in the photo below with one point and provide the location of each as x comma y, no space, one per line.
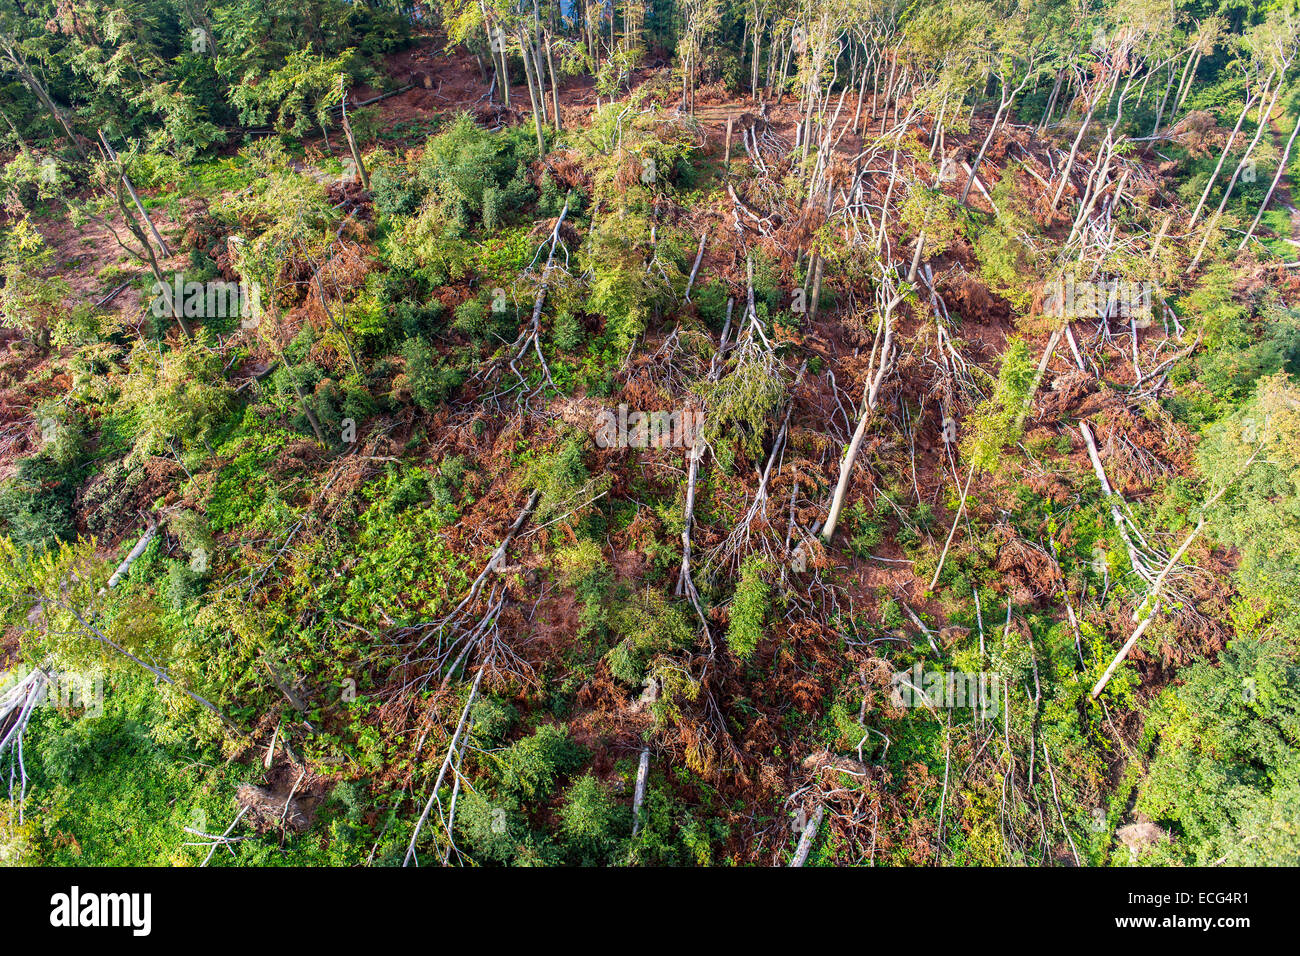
530,768
36,504
477,176
430,380
591,822
749,608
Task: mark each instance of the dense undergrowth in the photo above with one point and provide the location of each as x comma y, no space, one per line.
307,625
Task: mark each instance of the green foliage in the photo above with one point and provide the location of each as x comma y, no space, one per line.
179,399
469,176
397,304
741,402
1226,770
567,489
866,529
429,379
399,558
493,831
748,608
336,402
932,216
591,822
297,96
1260,513
1007,249
493,719
622,289
245,493
474,320
529,768
1239,350
394,192
36,504
28,180
105,791
998,421
672,834
648,625
289,574
35,305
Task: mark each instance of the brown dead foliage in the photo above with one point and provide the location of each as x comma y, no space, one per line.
804,226
1065,393
968,297
543,228
278,804
1198,132
109,505
1029,573
19,431
352,198
346,268
205,234
1138,452
564,167
495,116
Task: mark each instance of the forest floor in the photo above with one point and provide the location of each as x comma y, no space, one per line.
448,83
92,261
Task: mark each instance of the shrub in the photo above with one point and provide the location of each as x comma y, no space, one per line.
36,504
748,608
649,625
475,175
394,193
493,830
999,420
530,767
430,381
590,821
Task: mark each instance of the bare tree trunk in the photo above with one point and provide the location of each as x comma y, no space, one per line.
1051,102
24,72
807,837
126,181
1003,106
851,453
1227,147
555,85
1182,96
352,145
177,312
1074,152
642,771
532,94
1241,164
135,552
1281,168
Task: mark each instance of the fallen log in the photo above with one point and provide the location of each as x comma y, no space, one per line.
134,553
807,837
642,771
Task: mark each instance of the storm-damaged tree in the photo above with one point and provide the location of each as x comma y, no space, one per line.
114,207
14,59
1016,54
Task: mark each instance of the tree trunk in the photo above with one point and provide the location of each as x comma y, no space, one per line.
1227,147
1241,164
352,145
532,95
126,181
1281,168
555,85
